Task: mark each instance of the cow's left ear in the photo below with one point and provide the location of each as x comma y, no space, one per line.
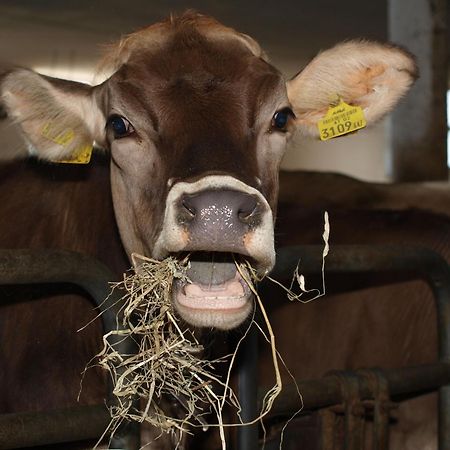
367,74
59,118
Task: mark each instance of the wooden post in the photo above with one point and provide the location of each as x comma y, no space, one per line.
418,128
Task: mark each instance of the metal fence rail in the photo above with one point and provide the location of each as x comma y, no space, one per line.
53,427
326,391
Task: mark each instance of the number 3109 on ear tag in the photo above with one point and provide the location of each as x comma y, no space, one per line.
341,119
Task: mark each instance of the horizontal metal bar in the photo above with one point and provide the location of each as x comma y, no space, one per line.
348,259
30,266
326,391
52,427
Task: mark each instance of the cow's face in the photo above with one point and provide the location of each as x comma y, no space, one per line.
197,131
197,122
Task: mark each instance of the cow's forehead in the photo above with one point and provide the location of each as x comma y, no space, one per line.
175,33
189,55
171,84
197,72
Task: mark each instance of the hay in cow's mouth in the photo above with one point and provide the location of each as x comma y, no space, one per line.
168,362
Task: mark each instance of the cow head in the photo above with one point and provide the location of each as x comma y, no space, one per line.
196,121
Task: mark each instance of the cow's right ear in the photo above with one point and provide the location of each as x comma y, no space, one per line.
58,117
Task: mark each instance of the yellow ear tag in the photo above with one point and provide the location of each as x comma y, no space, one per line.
341,119
81,155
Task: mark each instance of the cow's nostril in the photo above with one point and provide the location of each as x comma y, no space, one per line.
189,207
248,211
187,211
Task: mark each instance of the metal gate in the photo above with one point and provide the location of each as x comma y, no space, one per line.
339,394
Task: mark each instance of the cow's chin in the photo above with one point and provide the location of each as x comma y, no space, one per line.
216,295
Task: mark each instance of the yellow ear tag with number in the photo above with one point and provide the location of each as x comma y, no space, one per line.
341,119
81,155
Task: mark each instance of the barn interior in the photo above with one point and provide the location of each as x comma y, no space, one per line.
66,40
386,189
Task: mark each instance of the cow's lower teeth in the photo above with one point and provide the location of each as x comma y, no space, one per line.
232,288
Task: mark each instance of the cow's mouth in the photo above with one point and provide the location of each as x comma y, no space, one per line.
217,295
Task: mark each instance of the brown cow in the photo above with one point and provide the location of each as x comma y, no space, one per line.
196,121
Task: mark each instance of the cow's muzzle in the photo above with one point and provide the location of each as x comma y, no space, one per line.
219,221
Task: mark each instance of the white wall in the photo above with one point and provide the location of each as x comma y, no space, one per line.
362,155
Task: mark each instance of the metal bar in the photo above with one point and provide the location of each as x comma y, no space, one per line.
381,407
326,391
61,266
247,437
29,266
53,427
354,419
360,259
328,424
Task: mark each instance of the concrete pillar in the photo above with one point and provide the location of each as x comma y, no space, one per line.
418,128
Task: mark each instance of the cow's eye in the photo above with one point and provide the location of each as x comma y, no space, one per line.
120,126
281,118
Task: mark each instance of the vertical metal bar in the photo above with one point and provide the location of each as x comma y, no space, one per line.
327,429
379,387
247,436
444,418
353,409
128,435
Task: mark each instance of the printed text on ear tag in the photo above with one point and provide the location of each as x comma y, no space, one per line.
81,154
341,119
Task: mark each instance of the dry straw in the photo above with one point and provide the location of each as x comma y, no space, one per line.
168,363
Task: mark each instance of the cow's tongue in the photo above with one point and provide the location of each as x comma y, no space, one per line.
211,269
215,283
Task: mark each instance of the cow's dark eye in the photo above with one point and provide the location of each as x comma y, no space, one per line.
120,126
281,118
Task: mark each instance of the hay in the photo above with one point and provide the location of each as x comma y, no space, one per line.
299,279
168,362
